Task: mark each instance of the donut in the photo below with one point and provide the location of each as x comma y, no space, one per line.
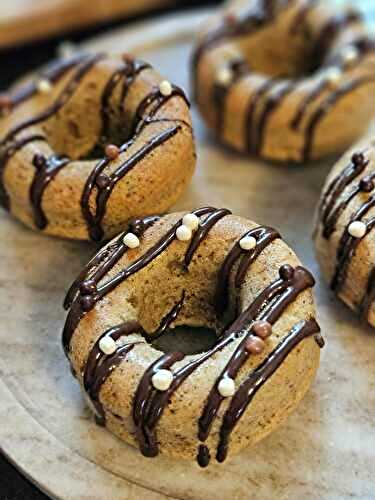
90,142
285,80
344,236
209,269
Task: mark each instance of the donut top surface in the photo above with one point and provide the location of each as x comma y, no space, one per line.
344,230
259,56
149,268
81,119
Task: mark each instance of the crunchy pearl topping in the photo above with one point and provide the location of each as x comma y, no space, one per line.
357,229
131,240
191,221
162,380
254,345
107,345
262,329
165,88
224,76
226,387
44,86
248,242
183,233
349,54
333,75
66,49
112,151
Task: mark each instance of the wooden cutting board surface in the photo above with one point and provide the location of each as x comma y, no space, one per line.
25,20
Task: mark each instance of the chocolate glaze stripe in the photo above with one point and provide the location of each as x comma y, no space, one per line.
273,101
338,184
6,155
126,74
348,245
258,378
364,186
151,104
369,297
53,72
45,171
264,236
331,30
63,98
230,26
310,98
154,402
255,99
105,189
202,232
291,284
239,69
323,109
107,257
99,366
299,22
77,311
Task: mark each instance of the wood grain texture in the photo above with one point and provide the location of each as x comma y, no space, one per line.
25,20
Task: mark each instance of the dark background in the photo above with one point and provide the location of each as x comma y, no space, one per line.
15,62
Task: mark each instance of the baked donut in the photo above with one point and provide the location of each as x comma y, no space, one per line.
206,269
285,80
344,236
91,142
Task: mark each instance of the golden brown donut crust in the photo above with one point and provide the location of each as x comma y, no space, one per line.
148,295
287,81
347,262
92,101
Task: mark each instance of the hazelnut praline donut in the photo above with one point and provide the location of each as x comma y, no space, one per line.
344,233
214,270
92,141
285,80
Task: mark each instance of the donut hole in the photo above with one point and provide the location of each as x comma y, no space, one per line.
186,339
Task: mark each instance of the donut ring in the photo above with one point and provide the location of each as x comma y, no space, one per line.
211,269
93,141
344,233
280,79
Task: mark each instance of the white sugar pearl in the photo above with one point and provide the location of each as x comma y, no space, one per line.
333,75
107,345
349,54
191,221
162,380
224,76
226,387
165,88
248,242
44,86
66,49
357,229
183,233
131,240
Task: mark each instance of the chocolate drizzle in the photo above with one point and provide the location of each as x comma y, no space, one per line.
348,245
299,22
264,236
6,156
257,379
46,170
368,297
63,98
106,183
150,403
323,109
330,210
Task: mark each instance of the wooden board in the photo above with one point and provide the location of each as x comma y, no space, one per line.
326,450
25,20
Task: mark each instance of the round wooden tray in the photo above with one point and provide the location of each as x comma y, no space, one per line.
325,450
